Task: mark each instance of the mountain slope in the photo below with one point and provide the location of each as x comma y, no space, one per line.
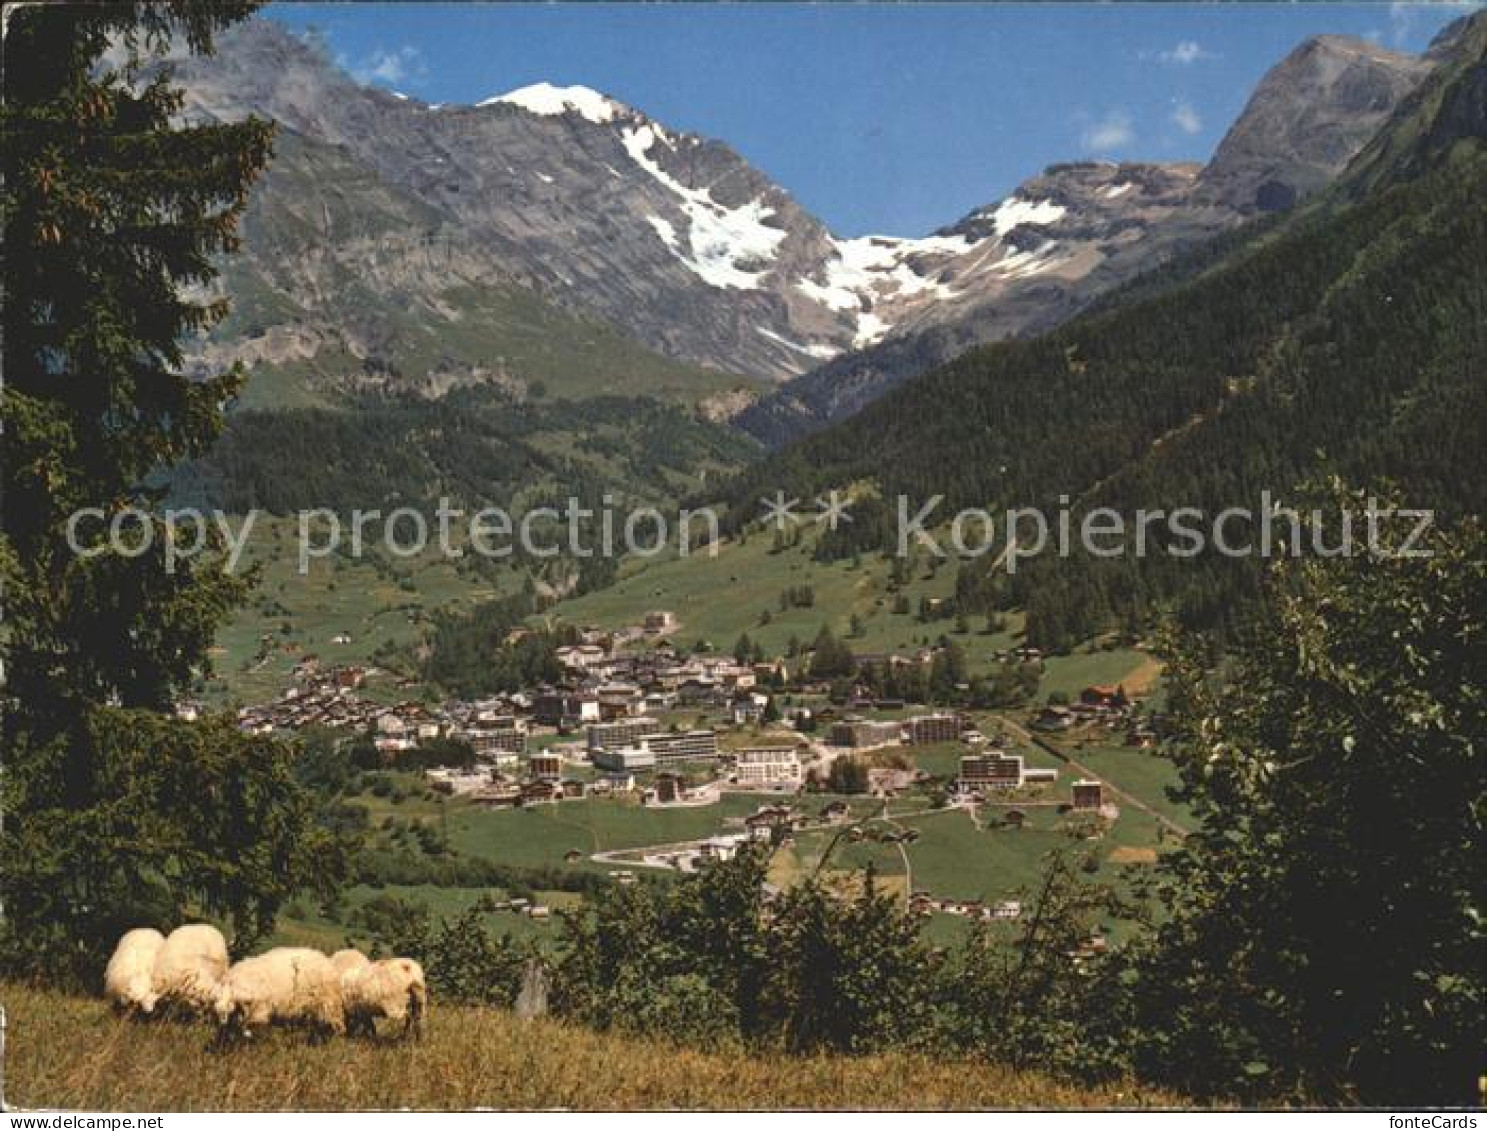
1312,112
1355,328
694,253
347,282
1308,117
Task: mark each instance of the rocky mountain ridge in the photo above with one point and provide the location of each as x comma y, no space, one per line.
426,215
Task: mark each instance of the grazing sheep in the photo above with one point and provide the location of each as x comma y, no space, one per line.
349,959
393,988
190,967
287,985
128,983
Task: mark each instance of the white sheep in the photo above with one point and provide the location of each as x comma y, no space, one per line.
128,982
348,959
189,968
393,988
286,985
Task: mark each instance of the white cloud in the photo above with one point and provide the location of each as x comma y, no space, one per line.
1401,21
1112,131
381,66
1186,117
1186,53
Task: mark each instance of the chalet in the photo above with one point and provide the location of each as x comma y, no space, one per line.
699,691
616,781
498,795
772,673
545,767
1110,697
618,700
670,788
1053,718
581,657
565,710
836,812
749,709
724,847
659,621
1088,795
540,792
763,822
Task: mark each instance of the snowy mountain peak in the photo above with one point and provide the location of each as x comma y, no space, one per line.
548,100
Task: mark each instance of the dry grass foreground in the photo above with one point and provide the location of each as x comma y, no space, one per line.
71,1052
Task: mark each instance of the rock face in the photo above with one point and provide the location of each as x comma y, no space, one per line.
386,220
1310,114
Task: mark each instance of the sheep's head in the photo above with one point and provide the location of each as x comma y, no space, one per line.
223,1003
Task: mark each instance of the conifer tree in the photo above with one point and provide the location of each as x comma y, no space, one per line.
115,210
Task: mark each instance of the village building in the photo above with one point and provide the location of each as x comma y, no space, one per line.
616,781
659,621
540,792
669,748
565,709
489,741
1053,718
625,732
922,730
769,766
1110,697
1089,795
623,759
991,770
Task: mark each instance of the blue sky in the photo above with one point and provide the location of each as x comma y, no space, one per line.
877,118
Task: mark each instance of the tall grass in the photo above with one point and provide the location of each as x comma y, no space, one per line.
71,1052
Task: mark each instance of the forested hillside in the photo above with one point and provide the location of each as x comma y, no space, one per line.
475,445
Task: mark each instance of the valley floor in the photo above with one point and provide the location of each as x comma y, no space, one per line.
71,1052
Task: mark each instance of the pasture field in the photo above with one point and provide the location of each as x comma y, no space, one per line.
376,602
1142,773
719,597
1086,665
69,1051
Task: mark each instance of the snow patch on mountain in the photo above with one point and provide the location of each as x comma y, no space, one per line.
1021,264
725,247
1016,211
817,351
550,101
870,269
